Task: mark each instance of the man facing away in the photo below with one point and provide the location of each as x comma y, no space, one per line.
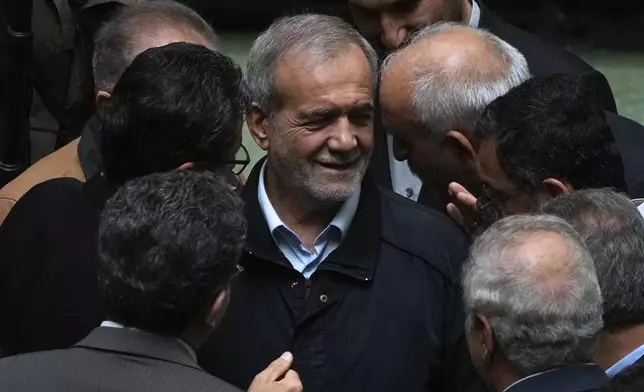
169,246
178,106
533,307
133,29
389,22
432,95
613,231
361,285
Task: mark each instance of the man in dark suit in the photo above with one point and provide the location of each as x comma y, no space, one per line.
533,307
387,23
168,248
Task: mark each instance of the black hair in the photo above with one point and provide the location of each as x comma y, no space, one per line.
549,127
168,244
175,104
114,43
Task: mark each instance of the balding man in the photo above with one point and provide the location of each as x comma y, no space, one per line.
132,30
432,95
533,307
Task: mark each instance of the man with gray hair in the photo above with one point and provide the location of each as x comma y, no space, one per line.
533,307
433,91
613,231
361,285
133,29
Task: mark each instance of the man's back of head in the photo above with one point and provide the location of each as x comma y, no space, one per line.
532,299
549,127
613,231
138,27
169,245
176,104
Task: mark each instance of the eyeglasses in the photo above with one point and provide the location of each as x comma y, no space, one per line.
237,166
235,276
489,207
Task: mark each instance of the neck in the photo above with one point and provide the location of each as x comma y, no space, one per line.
501,374
612,346
303,214
467,11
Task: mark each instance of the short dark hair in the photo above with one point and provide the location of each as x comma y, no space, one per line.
168,243
549,127
630,379
114,41
175,104
613,231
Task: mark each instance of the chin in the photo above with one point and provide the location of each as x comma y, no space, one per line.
334,192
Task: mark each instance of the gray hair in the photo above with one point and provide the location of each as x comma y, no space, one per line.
535,325
446,99
114,48
320,36
613,230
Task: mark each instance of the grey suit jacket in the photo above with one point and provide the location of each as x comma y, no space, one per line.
111,360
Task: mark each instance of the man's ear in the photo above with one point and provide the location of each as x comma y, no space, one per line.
217,310
484,330
102,97
257,124
462,147
553,187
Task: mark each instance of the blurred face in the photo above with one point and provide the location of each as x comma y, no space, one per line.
500,196
388,22
320,140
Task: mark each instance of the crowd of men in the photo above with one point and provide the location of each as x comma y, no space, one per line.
445,205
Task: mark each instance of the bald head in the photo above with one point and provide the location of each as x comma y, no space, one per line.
534,280
447,73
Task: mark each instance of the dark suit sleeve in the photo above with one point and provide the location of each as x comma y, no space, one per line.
599,88
459,374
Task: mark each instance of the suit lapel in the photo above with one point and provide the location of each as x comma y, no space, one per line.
141,344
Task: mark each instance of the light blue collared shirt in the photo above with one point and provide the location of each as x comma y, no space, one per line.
625,362
303,260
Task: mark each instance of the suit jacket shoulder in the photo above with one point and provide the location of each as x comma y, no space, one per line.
87,369
629,137
424,232
61,163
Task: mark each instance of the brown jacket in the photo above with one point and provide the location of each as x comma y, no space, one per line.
61,163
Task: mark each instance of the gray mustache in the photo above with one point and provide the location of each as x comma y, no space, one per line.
335,159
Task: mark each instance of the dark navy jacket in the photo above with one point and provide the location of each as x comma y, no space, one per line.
381,313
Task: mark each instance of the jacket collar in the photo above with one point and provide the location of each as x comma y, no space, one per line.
89,148
574,378
141,344
359,251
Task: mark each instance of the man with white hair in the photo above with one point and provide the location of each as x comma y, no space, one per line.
432,95
533,307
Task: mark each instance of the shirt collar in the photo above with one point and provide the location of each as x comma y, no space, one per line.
625,362
342,219
475,18
112,324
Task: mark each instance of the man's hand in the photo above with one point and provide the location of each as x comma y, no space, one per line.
463,209
278,377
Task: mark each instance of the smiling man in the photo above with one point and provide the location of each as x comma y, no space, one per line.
361,285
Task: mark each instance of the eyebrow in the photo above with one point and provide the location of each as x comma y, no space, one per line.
336,112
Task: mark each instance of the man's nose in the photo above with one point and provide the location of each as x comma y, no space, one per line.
343,138
393,32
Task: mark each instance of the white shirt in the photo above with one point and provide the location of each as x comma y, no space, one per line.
403,181
303,260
